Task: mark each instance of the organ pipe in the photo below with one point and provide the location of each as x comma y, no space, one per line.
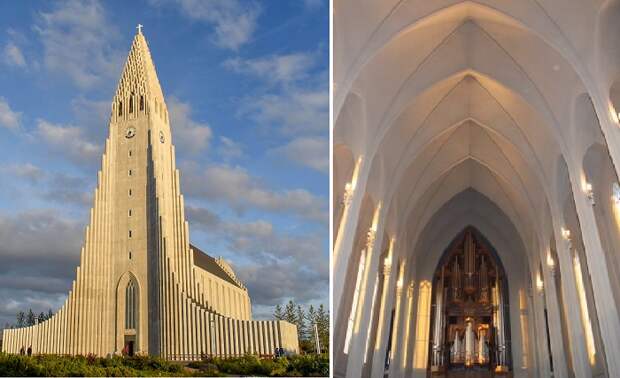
470,264
484,282
456,281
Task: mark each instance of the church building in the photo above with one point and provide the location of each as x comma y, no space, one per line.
476,150
141,286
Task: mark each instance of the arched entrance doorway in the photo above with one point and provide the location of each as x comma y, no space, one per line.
470,325
129,328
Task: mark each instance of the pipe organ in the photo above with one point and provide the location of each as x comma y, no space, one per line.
469,325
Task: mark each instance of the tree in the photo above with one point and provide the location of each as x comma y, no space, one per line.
21,319
42,317
30,318
277,314
49,314
289,313
302,330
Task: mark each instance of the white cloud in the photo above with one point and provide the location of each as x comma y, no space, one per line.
76,39
26,235
275,68
93,116
13,56
40,250
308,151
294,111
52,186
313,4
68,140
27,171
233,21
299,103
297,263
229,149
189,135
242,191
8,118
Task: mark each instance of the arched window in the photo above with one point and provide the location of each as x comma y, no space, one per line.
131,305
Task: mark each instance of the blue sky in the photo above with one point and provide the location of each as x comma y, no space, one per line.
246,83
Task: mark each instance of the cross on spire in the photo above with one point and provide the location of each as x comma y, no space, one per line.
139,27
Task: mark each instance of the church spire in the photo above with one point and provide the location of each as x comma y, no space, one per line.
138,90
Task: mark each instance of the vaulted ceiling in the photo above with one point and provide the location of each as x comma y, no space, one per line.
489,97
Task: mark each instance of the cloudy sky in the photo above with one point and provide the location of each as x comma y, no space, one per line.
246,84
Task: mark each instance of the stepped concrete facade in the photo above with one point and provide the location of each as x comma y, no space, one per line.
141,287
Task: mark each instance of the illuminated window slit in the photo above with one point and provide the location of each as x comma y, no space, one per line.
585,315
360,272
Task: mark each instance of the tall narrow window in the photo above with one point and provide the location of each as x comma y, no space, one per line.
372,311
141,102
129,153
129,233
120,108
131,104
131,305
388,350
129,212
129,172
585,314
130,192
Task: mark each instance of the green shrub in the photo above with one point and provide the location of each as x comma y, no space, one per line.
298,366
309,365
117,366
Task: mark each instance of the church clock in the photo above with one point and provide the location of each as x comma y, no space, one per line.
130,132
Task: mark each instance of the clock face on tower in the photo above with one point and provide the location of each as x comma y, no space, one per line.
130,132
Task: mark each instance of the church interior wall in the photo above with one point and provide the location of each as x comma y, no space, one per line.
599,171
573,224
450,221
353,270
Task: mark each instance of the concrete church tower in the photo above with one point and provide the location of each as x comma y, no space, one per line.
141,287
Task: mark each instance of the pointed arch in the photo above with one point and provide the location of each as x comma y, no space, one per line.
129,301
131,305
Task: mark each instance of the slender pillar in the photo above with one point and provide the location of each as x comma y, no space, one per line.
385,310
343,245
437,360
393,357
608,316
374,241
576,335
406,343
538,301
500,326
555,322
